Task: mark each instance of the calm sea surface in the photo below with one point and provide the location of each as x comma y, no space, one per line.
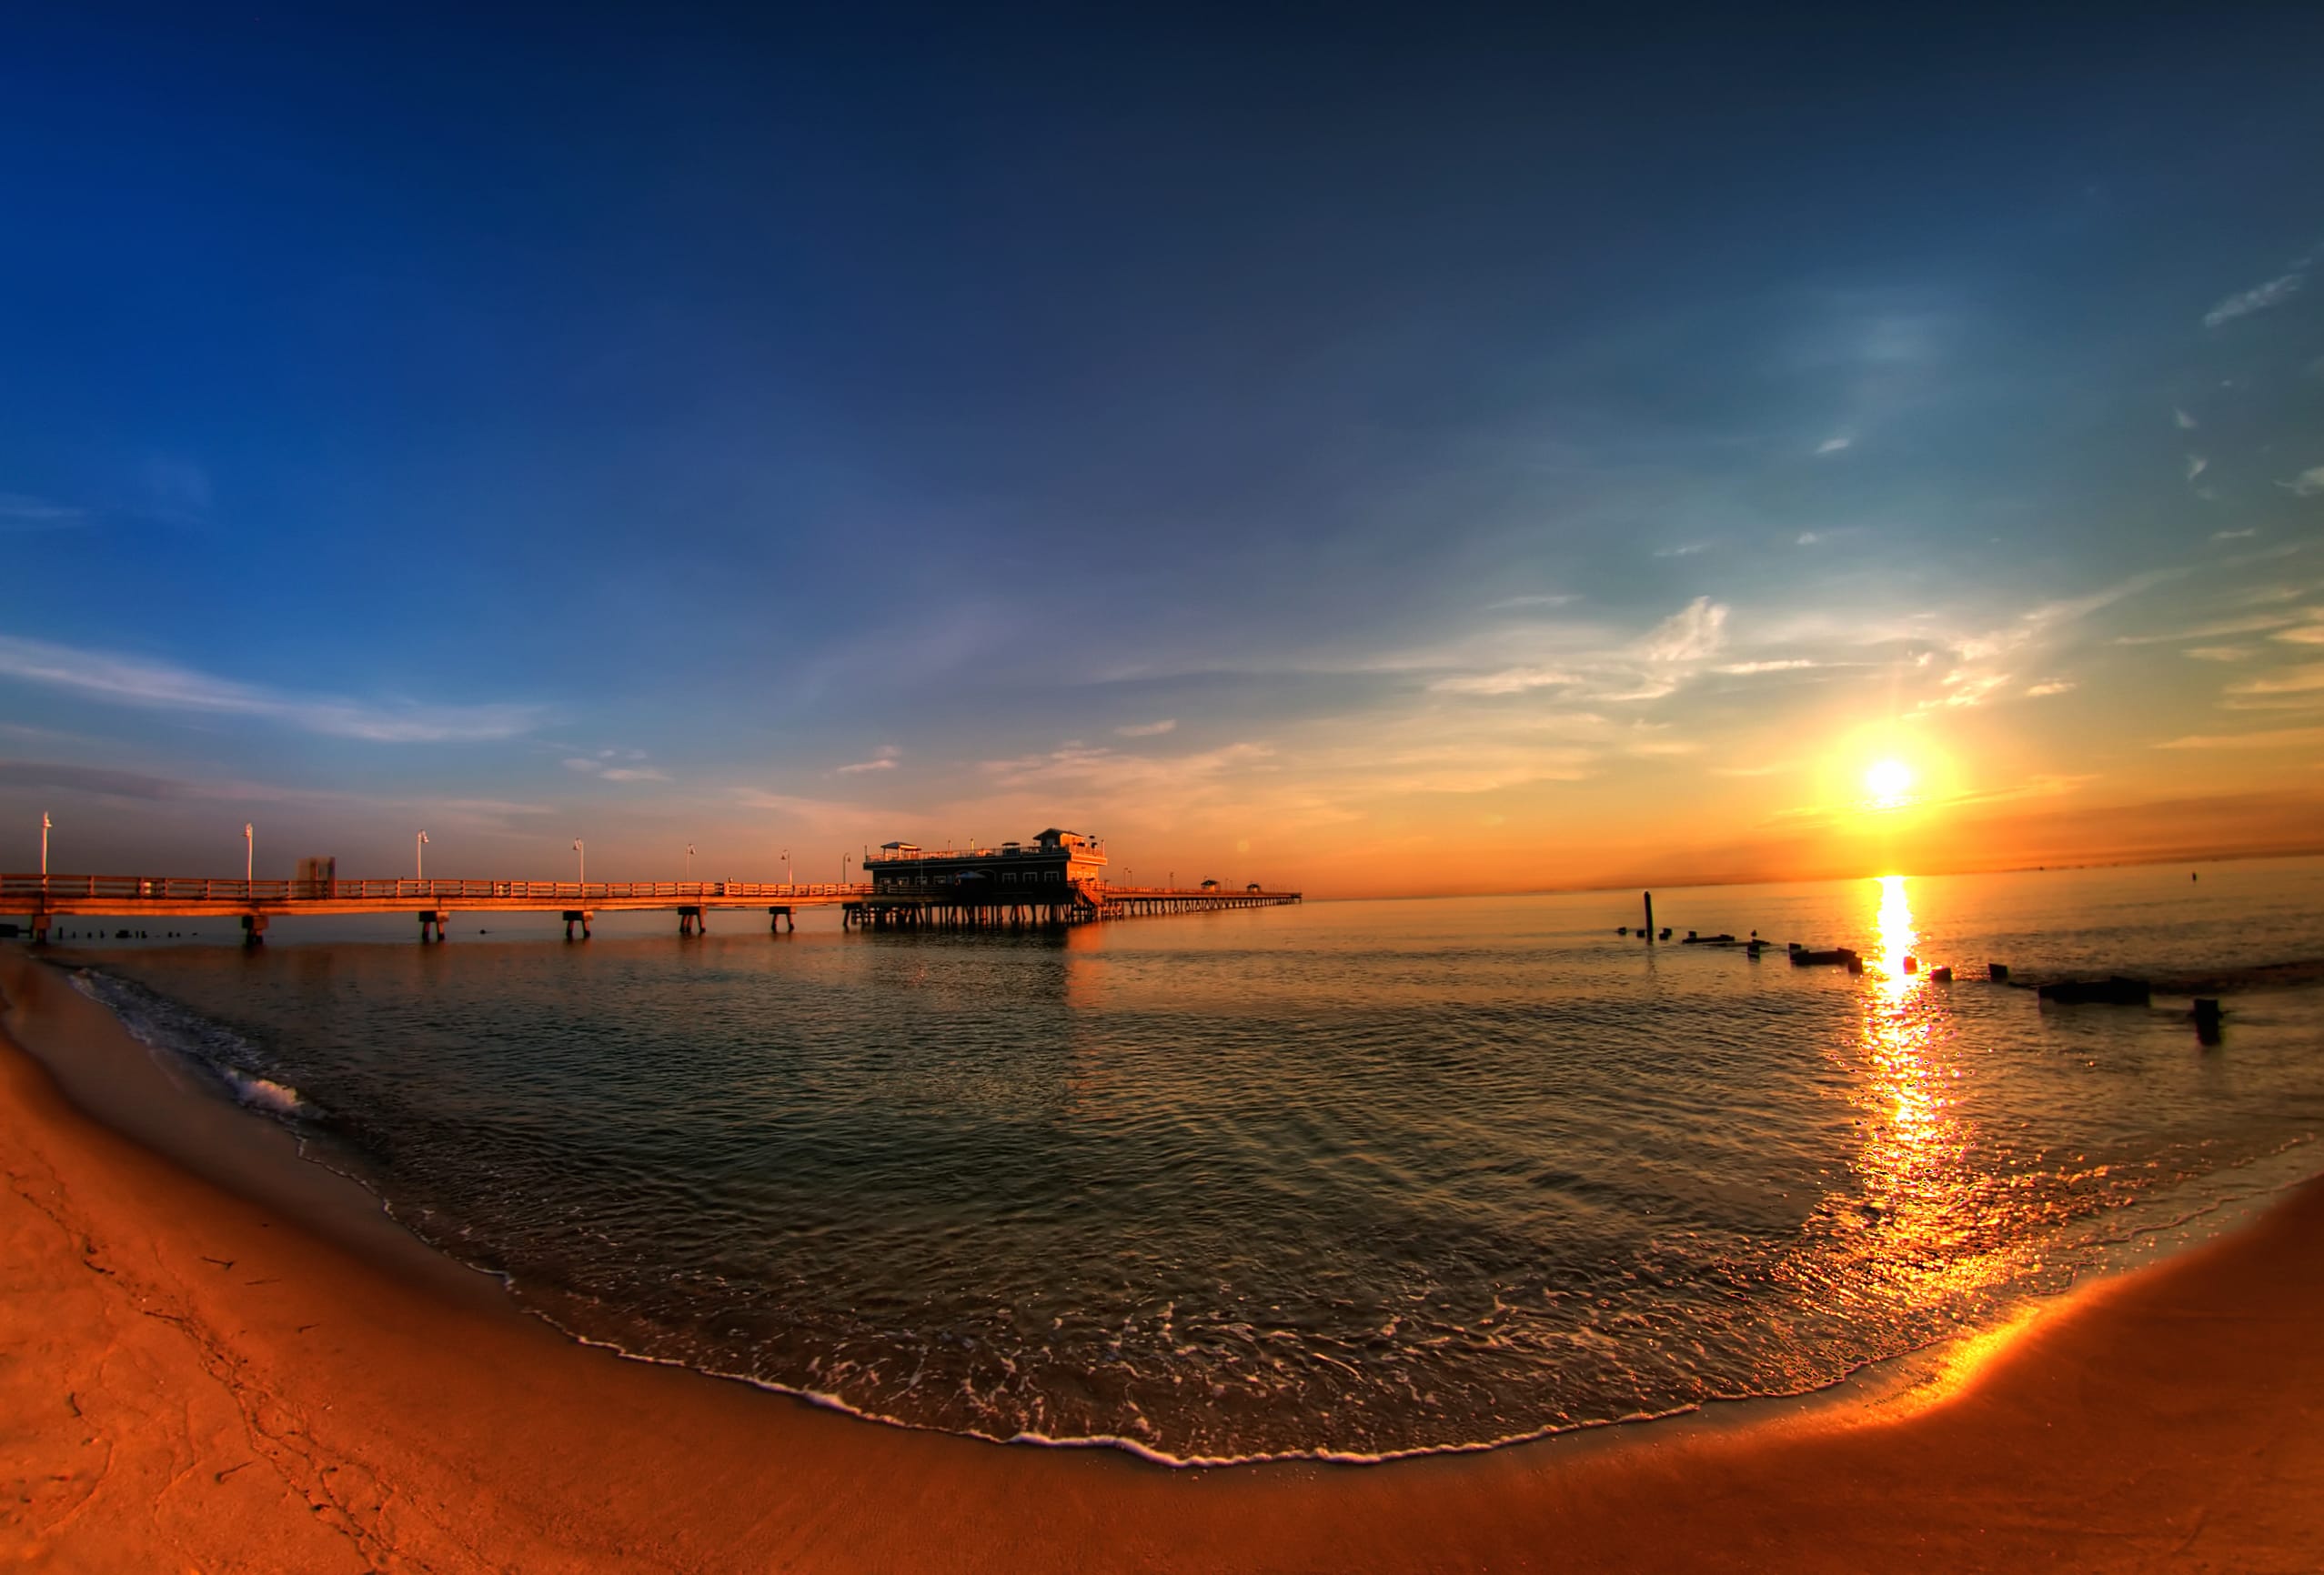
1351,1177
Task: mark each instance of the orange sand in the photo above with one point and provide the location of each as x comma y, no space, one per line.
194,1380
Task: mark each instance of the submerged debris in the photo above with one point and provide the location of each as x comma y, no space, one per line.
2119,991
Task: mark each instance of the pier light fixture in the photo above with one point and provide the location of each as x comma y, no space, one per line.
787,879
583,855
419,856
44,824
247,854
690,861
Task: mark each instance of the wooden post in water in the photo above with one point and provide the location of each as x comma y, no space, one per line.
1650,918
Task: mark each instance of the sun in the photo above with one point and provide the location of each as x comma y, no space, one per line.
1889,781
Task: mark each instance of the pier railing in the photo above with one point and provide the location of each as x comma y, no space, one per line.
201,888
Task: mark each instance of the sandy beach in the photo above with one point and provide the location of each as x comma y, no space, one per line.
214,1356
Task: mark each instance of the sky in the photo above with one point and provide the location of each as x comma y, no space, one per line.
1428,450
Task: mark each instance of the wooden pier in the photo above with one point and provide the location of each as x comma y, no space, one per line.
44,899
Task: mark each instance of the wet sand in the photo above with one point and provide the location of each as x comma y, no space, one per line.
227,1370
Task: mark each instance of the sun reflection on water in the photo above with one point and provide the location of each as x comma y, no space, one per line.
1895,920
1909,1230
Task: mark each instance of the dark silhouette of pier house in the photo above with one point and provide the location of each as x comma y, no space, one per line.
1057,879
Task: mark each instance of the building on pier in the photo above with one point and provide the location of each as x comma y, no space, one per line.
1057,867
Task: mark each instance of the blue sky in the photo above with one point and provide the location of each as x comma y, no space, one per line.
1397,452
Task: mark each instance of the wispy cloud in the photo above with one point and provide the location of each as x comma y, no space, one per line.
2233,535
1985,669
603,766
1508,681
883,760
2257,298
2272,738
1834,445
2300,680
1786,665
127,680
18,512
1508,604
1689,634
2053,687
2186,423
100,780
1167,784
1689,550
2257,623
480,815
1147,729
800,816
2307,484
2195,466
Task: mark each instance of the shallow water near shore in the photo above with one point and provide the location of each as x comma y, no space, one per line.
1353,1179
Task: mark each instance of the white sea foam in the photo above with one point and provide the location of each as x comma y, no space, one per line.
189,1040
263,1093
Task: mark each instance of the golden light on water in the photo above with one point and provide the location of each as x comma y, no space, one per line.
1895,928
1908,1230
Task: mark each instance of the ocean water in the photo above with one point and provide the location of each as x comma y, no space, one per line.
1350,1179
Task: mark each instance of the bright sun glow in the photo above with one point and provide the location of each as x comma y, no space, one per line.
1889,781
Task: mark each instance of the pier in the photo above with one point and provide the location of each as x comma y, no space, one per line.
41,899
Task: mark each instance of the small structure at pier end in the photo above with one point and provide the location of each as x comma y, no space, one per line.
1058,877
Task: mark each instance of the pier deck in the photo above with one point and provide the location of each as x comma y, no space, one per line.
43,898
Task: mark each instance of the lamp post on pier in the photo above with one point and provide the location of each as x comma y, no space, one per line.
584,857
787,876
690,861
44,824
248,856
419,856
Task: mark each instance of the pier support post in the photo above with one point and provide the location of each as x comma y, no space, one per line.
40,922
254,929
580,916
1649,931
779,917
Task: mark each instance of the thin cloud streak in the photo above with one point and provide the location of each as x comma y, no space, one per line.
2276,739
20,513
884,760
2259,299
125,680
